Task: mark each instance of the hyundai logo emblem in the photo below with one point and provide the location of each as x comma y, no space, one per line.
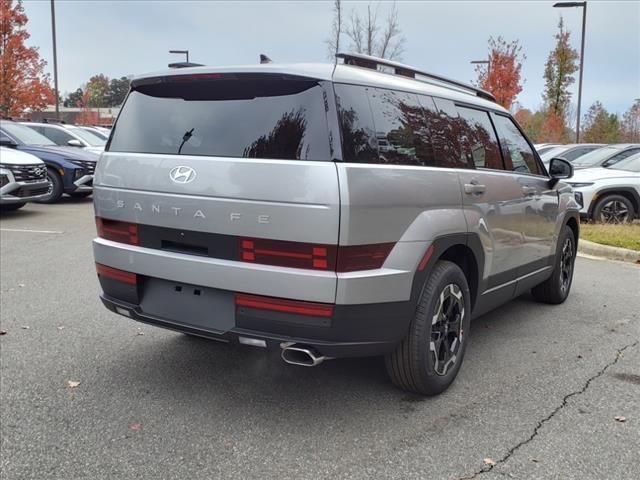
182,174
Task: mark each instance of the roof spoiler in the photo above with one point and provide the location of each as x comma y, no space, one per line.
383,65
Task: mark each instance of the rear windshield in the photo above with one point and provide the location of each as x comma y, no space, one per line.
271,117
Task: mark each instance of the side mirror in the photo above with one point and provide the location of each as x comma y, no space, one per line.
7,142
560,169
75,143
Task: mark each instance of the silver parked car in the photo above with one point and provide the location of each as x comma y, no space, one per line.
327,211
69,136
606,156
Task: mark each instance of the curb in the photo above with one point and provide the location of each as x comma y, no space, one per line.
606,251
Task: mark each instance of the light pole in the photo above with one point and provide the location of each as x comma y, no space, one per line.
55,57
182,52
483,62
584,24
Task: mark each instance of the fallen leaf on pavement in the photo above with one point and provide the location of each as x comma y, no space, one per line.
26,327
489,461
135,426
3,332
61,327
140,332
21,285
620,418
72,384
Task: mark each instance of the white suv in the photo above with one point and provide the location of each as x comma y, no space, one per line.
609,195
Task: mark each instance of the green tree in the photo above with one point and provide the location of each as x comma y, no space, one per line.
118,89
630,127
601,126
74,99
562,63
98,89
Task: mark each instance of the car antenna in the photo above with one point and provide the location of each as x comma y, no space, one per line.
265,59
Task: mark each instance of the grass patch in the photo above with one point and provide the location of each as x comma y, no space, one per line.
625,236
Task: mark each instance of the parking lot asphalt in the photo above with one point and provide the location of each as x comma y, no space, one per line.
538,392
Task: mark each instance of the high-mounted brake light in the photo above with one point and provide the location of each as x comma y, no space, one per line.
283,305
117,231
194,77
117,275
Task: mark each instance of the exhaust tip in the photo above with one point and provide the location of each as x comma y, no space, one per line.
303,356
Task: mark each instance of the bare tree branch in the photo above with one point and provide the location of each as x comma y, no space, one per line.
333,43
368,37
391,45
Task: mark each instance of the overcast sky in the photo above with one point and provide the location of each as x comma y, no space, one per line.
129,37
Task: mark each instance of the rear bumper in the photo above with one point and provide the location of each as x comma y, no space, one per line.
354,331
84,184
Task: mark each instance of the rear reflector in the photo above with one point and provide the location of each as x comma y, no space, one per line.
362,257
282,305
117,231
425,258
117,275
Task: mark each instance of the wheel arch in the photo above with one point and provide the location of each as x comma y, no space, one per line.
628,192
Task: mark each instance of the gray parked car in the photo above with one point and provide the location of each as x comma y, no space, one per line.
327,211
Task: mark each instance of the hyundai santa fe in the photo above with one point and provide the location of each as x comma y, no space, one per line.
357,209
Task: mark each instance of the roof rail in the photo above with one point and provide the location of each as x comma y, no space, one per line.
367,61
184,65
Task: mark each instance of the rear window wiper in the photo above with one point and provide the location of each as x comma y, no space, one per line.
185,138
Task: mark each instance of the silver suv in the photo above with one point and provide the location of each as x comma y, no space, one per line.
363,208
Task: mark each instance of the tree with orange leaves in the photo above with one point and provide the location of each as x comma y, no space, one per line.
23,84
502,75
552,129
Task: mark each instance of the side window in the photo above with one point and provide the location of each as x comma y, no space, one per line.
479,139
401,128
359,142
38,129
58,136
575,153
446,129
519,156
620,156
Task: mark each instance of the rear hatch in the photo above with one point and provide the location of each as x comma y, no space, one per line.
205,161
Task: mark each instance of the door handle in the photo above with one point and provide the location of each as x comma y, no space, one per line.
474,188
529,190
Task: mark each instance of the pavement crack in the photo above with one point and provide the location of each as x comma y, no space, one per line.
565,400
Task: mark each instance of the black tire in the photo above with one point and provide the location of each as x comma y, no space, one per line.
419,363
613,209
57,188
12,207
80,194
556,288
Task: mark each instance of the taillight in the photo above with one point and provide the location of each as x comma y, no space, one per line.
117,231
316,257
362,257
283,305
287,254
117,275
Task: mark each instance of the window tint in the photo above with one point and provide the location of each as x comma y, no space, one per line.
519,156
447,128
577,152
25,134
359,142
401,128
58,136
620,156
479,139
256,116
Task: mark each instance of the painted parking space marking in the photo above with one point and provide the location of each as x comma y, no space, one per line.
28,231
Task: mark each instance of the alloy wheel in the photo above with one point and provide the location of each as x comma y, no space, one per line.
566,265
614,211
446,329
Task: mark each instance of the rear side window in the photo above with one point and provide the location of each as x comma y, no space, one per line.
479,139
577,152
231,116
448,130
519,156
359,142
620,156
57,135
401,128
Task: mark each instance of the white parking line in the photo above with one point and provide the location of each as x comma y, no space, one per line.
28,231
